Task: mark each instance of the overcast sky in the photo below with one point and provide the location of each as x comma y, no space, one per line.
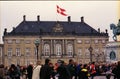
98,14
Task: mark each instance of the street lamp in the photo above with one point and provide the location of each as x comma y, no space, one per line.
90,50
37,42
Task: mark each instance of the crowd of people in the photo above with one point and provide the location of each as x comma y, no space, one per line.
60,70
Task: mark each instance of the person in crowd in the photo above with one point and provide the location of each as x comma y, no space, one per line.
45,71
92,70
62,71
30,70
84,72
71,68
36,70
79,68
2,72
14,72
117,71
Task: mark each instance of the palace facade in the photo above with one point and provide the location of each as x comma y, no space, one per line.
57,40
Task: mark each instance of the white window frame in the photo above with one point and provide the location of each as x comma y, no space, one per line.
79,51
17,41
9,41
18,52
69,49
87,53
46,49
58,49
9,51
27,51
96,41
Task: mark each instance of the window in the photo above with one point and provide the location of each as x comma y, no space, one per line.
27,41
18,52
96,50
17,41
87,41
87,53
18,62
46,49
9,41
27,51
70,49
9,51
103,41
79,41
96,41
79,52
58,49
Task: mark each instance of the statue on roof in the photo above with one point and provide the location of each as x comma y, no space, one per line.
116,30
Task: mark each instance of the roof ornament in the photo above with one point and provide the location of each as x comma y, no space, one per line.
116,30
24,18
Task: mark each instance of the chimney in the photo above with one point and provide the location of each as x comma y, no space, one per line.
99,30
82,19
38,18
69,19
24,18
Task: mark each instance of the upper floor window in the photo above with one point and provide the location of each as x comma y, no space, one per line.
70,49
9,51
87,41
10,41
58,49
96,41
18,52
103,41
79,41
27,41
17,41
27,50
46,49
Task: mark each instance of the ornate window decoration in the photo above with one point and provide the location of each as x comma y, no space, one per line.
103,41
18,52
17,41
9,51
96,41
87,41
58,28
79,41
27,50
58,49
46,49
27,41
112,55
9,41
69,49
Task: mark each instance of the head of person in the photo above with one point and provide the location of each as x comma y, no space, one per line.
47,61
60,62
71,61
38,62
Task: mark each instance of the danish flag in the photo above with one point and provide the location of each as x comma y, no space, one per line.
61,11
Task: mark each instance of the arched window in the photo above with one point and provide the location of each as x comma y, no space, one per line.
46,49
112,55
58,49
70,49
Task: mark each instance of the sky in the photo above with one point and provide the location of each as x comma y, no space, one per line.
98,14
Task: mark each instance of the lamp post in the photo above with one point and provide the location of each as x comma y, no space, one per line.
37,42
90,50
